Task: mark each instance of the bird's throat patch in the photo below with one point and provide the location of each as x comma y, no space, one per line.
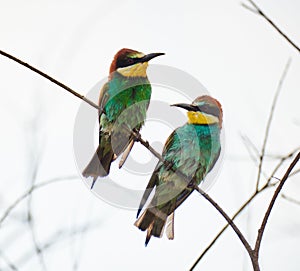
136,70
201,118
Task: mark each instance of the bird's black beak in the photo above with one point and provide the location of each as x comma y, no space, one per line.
148,57
189,107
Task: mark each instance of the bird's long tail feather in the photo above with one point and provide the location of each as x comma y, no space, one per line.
154,220
99,165
126,153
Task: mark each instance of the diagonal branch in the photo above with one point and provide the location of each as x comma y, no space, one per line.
260,12
268,212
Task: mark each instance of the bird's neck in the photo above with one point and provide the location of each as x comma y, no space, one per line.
201,118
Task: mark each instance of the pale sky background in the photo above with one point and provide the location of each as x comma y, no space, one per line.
234,53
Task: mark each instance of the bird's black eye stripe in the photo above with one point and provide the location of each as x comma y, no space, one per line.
126,61
212,110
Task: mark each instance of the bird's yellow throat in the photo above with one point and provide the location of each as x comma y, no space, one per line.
201,118
137,70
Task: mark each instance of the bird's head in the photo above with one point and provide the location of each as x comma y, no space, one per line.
203,110
131,63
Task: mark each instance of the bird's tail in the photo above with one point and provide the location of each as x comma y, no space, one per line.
99,165
153,220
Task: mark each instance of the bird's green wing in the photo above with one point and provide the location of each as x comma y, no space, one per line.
155,177
172,151
154,180
169,144
103,98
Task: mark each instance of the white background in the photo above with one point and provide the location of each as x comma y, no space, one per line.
234,53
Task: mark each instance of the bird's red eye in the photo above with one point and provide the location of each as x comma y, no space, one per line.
130,61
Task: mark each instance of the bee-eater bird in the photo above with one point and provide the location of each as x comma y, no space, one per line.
192,149
124,99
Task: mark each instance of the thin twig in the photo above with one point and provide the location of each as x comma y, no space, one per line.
250,148
31,190
290,199
282,160
260,12
268,212
250,8
295,172
8,262
263,149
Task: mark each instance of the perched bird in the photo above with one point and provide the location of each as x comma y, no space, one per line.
192,149
124,99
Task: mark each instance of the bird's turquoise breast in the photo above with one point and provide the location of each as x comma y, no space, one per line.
128,100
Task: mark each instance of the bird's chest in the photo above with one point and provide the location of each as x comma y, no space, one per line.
127,103
194,149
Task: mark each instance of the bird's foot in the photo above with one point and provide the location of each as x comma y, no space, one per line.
191,184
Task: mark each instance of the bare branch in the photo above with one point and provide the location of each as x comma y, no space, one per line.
261,13
263,149
268,212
